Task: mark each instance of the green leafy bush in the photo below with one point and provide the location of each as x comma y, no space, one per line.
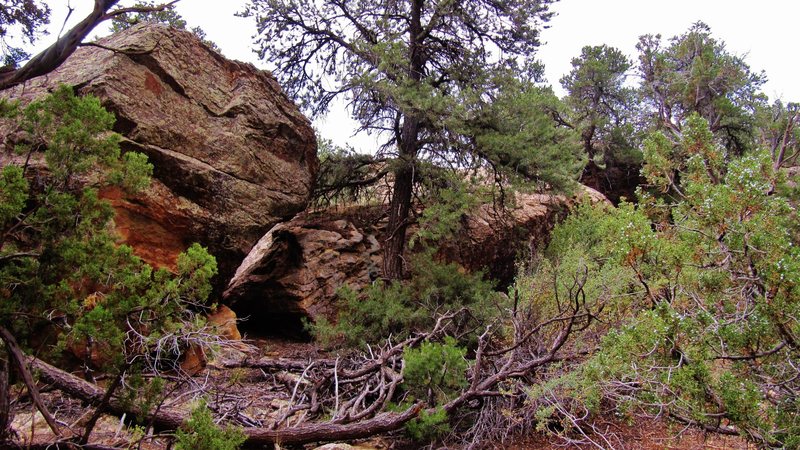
61,269
201,433
428,427
435,372
701,283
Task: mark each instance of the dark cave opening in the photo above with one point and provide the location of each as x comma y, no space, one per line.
268,323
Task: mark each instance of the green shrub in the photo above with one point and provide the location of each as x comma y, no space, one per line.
403,307
61,267
428,427
435,372
201,433
699,284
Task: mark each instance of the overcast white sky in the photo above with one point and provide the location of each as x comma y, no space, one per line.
765,32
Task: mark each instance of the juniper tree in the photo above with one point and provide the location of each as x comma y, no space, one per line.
62,272
701,312
600,103
778,131
697,74
418,72
603,110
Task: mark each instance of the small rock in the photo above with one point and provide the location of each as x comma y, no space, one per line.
194,360
224,321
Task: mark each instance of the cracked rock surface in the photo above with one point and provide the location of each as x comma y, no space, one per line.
296,269
233,155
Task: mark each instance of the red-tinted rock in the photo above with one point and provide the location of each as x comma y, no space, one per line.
233,156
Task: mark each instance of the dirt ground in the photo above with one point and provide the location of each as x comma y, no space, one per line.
650,435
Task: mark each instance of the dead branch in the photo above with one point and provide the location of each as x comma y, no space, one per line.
55,55
167,418
171,419
277,365
358,387
15,354
382,423
87,432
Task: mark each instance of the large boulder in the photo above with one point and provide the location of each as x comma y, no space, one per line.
233,155
493,239
296,269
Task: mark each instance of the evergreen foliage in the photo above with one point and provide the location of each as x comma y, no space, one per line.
61,270
423,75
202,433
520,135
602,107
435,372
429,426
684,305
401,308
705,283
346,176
696,74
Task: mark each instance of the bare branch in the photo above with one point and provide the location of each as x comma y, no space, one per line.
19,359
55,55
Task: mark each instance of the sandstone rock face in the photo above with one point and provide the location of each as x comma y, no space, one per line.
296,269
223,322
493,241
232,155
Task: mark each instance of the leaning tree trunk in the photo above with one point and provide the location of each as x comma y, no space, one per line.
55,55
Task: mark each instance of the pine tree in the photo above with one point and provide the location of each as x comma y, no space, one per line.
419,72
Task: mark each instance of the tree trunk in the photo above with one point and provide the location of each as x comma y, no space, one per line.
56,54
400,206
68,383
5,400
399,209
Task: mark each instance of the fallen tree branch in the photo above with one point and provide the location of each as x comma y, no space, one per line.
382,423
279,364
15,354
60,445
359,387
167,418
171,419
